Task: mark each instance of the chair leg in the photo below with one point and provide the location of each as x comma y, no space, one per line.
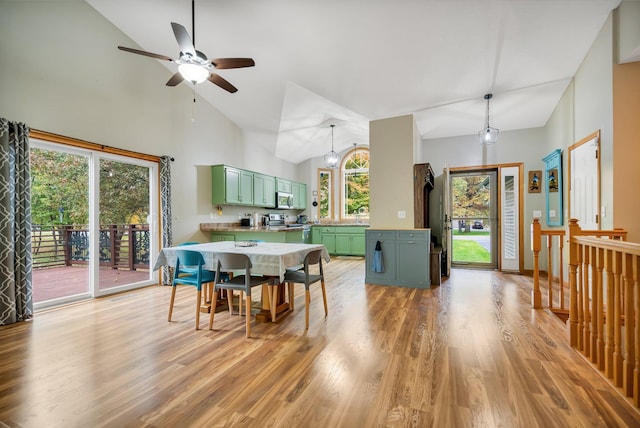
248,315
324,297
198,300
274,301
173,297
291,293
240,302
230,301
213,309
307,302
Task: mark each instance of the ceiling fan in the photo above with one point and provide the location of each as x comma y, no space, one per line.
193,65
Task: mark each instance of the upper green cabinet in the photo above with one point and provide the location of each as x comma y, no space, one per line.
231,185
284,185
264,190
235,186
299,191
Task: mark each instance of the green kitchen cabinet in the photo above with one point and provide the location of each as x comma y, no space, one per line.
222,236
405,255
316,235
231,186
299,191
264,190
350,240
328,238
283,185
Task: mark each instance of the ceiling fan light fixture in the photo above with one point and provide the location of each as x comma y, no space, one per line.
193,73
332,159
488,135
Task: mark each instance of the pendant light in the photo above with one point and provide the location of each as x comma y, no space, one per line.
488,135
332,159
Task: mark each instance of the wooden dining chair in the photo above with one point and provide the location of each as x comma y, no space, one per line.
244,283
303,276
189,271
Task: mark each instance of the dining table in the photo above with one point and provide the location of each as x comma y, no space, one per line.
269,259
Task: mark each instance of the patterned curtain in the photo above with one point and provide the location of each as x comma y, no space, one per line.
16,300
165,207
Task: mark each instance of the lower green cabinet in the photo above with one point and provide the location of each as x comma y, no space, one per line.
340,240
293,236
405,257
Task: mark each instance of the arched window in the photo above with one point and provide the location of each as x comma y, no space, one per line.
354,194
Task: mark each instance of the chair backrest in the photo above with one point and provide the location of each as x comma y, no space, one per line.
232,261
313,258
189,258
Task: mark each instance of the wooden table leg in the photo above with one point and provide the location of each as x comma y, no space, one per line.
274,304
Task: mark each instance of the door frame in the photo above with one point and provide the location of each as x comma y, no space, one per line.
95,152
498,167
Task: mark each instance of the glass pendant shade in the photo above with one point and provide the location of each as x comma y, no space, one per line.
488,135
193,72
332,159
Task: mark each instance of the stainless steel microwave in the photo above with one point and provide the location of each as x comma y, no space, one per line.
284,201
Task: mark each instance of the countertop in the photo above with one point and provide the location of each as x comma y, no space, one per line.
234,227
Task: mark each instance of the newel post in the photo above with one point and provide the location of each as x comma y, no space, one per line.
574,230
536,296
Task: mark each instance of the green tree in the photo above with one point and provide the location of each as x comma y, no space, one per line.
124,193
59,188
471,196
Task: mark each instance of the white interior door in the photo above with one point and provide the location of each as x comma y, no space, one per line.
584,198
510,215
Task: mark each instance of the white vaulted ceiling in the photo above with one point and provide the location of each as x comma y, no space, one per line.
351,61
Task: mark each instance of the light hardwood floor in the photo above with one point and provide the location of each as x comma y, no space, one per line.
471,352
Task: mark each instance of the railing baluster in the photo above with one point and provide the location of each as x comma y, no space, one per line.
550,269
636,304
617,319
629,326
600,311
574,230
586,330
561,270
595,289
536,296
609,344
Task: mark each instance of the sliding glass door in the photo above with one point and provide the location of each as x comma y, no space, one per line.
93,221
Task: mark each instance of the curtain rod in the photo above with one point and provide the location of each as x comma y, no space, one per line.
75,142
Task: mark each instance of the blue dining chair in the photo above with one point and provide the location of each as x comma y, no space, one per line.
189,271
303,276
244,283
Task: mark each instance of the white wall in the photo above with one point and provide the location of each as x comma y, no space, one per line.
60,72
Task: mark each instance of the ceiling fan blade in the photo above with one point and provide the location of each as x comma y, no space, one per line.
145,53
183,39
218,80
175,79
222,63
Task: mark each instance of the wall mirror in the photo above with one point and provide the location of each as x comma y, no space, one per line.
553,187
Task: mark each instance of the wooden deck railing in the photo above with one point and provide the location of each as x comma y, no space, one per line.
604,312
536,244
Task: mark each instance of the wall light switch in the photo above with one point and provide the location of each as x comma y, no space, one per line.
402,214
552,213
537,214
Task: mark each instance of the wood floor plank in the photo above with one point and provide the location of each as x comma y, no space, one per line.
470,352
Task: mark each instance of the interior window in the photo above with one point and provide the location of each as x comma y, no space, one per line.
355,188
325,194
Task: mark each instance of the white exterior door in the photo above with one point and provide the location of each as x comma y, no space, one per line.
584,198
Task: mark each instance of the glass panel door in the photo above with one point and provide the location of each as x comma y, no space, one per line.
124,217
473,219
60,218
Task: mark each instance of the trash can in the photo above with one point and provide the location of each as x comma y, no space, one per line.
436,254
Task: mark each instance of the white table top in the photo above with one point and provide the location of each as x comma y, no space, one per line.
267,258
